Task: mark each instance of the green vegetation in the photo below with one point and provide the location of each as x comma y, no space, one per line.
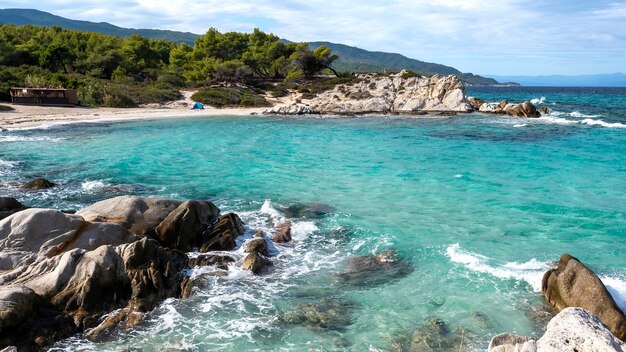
124,72
222,97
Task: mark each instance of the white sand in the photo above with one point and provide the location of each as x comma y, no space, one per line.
26,116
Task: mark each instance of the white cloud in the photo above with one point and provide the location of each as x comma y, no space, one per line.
503,37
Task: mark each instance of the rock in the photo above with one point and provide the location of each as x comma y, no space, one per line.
255,262
9,349
476,103
182,229
223,234
373,270
572,284
36,184
575,329
545,110
44,233
525,109
293,109
257,245
308,211
326,314
221,261
282,233
137,214
436,335
17,304
395,93
9,206
512,343
122,319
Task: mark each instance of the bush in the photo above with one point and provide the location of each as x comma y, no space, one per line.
220,97
409,74
157,93
97,93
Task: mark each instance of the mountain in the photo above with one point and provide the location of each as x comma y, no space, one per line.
605,80
351,58
21,17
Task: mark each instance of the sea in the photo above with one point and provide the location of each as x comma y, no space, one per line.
477,207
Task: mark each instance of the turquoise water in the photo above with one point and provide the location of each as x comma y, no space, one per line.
478,206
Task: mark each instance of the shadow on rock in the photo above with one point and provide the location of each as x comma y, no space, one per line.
373,270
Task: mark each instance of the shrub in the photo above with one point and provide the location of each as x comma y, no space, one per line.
220,97
409,74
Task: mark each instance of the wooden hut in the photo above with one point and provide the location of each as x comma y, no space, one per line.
44,96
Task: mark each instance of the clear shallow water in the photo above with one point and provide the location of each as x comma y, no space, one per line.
479,206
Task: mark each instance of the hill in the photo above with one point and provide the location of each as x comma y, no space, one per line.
351,58
21,17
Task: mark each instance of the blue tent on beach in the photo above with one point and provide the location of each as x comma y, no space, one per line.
197,106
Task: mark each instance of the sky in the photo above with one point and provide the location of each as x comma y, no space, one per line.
500,37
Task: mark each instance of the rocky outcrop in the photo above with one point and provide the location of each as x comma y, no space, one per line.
575,329
476,103
545,110
255,262
395,93
60,273
37,184
525,109
572,284
258,245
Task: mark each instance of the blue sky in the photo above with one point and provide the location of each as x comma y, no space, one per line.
503,37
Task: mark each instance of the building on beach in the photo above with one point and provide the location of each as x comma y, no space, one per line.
44,96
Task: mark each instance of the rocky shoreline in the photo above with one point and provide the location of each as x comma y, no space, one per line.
400,93
101,269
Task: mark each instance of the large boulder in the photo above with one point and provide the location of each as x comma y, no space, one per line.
37,184
258,245
525,109
476,103
222,236
182,229
575,329
572,284
137,214
282,232
45,233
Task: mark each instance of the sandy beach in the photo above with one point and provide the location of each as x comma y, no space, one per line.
27,116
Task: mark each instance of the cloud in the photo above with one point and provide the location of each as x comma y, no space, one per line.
504,37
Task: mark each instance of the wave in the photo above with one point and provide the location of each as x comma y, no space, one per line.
93,185
530,272
593,122
536,101
29,139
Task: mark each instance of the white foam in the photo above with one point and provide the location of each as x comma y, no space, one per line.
520,125
29,139
530,272
554,118
536,101
458,175
617,288
593,122
268,209
581,115
92,185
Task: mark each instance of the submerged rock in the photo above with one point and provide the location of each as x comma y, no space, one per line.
323,315
37,184
308,211
373,270
436,335
572,284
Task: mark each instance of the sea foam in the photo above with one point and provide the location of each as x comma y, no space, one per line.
531,271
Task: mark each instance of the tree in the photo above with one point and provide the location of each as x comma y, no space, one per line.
313,62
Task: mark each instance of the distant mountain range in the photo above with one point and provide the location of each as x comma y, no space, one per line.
351,58
605,80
